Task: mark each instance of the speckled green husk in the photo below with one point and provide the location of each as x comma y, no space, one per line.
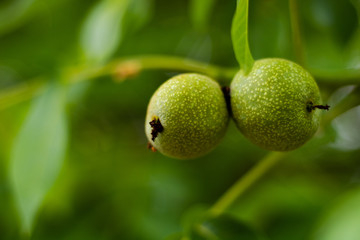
192,110
269,104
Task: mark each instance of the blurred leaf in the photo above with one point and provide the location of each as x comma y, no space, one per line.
106,24
239,35
102,30
38,153
138,13
193,216
200,11
356,4
340,94
348,130
329,27
176,236
196,45
326,59
342,220
336,19
222,228
13,13
353,52
270,19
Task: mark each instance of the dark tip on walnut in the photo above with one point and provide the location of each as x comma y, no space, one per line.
156,128
326,107
310,107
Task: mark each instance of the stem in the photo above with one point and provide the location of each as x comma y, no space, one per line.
121,68
264,165
296,33
246,181
177,63
20,93
180,64
126,67
129,66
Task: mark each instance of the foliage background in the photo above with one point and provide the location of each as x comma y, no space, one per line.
109,186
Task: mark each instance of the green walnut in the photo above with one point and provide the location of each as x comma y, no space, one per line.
275,104
187,116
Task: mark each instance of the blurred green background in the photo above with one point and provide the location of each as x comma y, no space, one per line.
73,156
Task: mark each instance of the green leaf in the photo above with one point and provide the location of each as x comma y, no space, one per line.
239,35
222,227
102,30
342,220
38,153
200,11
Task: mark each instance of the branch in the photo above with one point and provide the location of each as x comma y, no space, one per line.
20,93
272,158
127,67
246,181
